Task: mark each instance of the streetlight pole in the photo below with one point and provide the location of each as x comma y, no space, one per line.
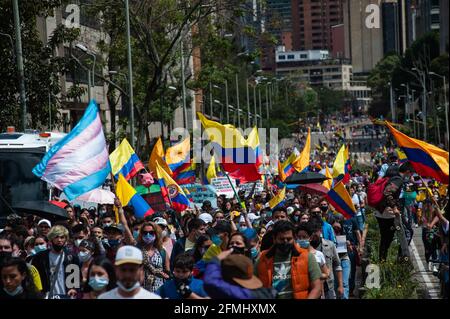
424,101
445,104
254,104
210,100
130,72
237,100
391,98
20,68
183,87
267,104
226,102
260,106
248,104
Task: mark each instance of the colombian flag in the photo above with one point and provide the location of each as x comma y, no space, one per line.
186,175
178,156
157,157
172,193
341,166
129,197
428,160
340,199
286,169
329,182
240,157
302,162
124,161
278,200
402,158
211,171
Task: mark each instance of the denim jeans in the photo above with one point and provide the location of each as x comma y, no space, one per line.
352,275
346,266
361,219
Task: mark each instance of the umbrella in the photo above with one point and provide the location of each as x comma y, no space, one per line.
41,208
59,204
313,189
99,196
305,178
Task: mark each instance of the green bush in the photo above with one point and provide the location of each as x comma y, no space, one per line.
396,278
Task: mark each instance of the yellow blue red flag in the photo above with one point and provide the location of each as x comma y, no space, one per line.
340,199
124,161
128,196
171,191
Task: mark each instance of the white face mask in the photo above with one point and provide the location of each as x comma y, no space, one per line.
78,242
164,233
15,292
84,256
122,287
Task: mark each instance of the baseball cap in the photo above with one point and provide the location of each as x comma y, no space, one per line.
207,218
128,255
45,221
114,227
160,221
239,268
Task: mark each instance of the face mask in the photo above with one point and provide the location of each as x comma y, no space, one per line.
78,242
254,252
303,243
106,225
114,242
98,283
149,238
242,228
238,250
296,218
84,256
57,248
15,292
216,240
164,233
122,287
324,208
135,234
297,205
38,249
284,248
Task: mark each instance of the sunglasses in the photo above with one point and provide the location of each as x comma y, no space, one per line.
148,233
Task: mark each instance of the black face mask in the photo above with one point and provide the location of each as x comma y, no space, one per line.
284,248
57,248
238,250
324,208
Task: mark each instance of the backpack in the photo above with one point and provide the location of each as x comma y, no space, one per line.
375,192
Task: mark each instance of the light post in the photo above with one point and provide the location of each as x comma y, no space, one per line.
226,102
424,101
445,104
248,104
237,100
130,72
391,100
19,57
91,75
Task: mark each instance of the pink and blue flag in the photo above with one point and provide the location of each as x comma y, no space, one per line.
79,162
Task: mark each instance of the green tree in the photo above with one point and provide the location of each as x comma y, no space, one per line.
41,67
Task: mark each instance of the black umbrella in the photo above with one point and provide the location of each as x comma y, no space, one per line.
305,178
42,209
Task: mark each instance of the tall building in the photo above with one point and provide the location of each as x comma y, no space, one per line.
363,45
427,16
391,27
443,29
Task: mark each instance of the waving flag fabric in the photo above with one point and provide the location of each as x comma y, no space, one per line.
329,182
240,157
278,199
340,199
287,168
178,156
302,163
157,156
171,191
341,166
185,175
124,161
211,171
128,196
427,159
79,162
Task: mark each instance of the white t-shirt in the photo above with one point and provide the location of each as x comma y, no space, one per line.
320,258
142,294
356,200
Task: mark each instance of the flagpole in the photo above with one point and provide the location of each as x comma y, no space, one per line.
116,211
234,190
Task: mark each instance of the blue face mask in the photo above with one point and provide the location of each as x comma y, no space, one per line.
149,238
39,248
15,292
98,283
303,243
254,252
135,234
216,240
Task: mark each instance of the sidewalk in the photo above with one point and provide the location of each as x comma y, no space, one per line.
428,282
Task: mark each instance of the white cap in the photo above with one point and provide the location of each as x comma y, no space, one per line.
290,210
252,217
207,218
160,221
46,221
128,255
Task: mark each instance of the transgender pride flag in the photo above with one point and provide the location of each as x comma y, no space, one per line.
79,162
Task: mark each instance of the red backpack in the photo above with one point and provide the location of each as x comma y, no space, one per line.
375,192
